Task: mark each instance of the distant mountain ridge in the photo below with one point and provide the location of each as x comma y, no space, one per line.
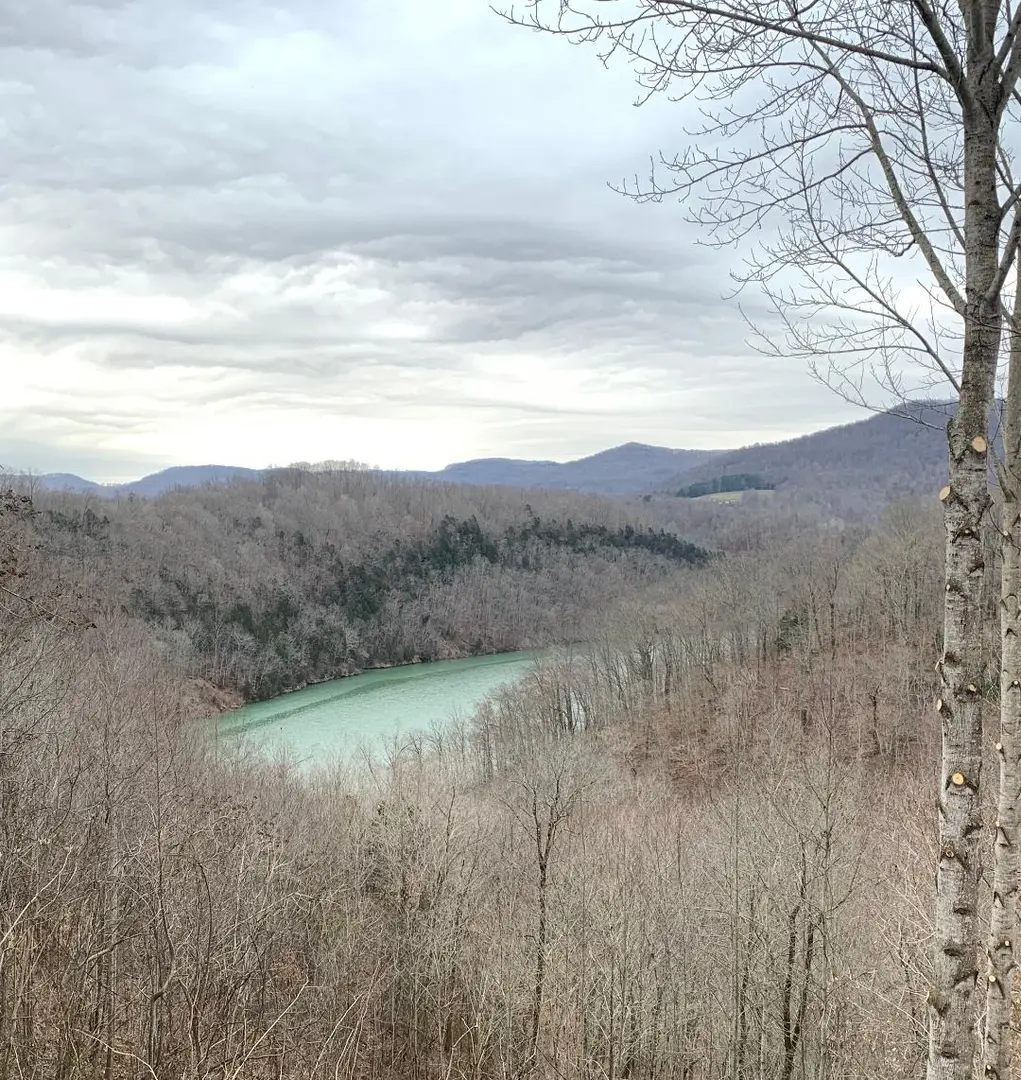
622,470
153,485
887,455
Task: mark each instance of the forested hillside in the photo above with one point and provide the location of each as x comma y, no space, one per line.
264,586
701,847
621,470
856,469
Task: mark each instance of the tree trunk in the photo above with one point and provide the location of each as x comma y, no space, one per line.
996,1046
540,964
952,1043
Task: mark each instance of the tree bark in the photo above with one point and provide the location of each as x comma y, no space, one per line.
996,1045
952,1044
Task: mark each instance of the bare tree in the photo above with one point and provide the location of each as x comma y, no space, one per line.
547,796
868,140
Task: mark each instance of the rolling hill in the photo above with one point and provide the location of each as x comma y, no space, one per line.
623,470
153,485
889,455
188,476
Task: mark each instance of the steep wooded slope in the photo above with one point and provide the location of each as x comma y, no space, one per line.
302,577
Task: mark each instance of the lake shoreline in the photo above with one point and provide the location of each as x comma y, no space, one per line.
223,700
228,700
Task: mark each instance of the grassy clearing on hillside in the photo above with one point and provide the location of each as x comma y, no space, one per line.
732,496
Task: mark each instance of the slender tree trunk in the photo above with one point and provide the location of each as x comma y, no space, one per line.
540,966
952,1044
996,1046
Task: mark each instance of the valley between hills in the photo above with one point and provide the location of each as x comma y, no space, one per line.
647,857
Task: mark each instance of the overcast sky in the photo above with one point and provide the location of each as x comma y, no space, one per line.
257,231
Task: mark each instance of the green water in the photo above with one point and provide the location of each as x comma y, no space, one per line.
341,718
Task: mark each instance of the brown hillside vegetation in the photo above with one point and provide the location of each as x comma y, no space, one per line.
265,586
699,848
854,469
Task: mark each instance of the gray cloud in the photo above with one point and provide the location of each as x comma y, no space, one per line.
255,230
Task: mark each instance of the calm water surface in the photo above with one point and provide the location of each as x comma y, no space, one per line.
336,719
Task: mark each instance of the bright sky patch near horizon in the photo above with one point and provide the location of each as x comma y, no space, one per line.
259,231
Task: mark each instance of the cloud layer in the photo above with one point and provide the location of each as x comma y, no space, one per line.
255,231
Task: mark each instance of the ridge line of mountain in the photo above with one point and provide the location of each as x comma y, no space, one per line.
632,468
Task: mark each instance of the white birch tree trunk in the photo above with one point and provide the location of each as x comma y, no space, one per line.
996,1046
952,1042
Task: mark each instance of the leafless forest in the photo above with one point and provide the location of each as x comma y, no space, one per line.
261,587
700,847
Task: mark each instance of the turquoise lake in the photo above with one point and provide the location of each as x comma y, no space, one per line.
337,719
